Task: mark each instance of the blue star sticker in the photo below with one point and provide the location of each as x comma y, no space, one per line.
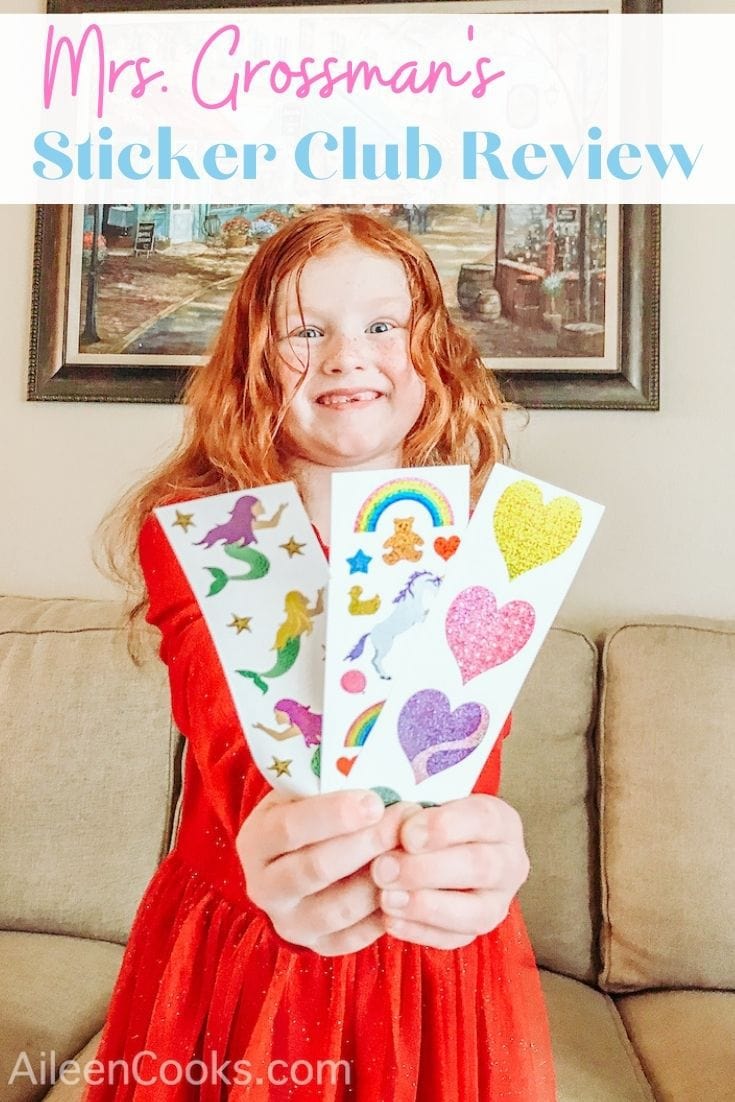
359,562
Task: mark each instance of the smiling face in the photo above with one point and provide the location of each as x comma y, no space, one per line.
349,343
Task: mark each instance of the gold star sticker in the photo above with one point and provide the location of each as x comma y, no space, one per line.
281,767
292,547
242,623
183,520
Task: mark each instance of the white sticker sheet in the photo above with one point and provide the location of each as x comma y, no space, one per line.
451,695
393,535
259,575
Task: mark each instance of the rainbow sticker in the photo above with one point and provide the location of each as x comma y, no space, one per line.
363,725
405,489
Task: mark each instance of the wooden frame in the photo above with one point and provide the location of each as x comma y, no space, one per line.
632,383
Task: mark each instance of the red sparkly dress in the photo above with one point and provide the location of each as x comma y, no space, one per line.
205,979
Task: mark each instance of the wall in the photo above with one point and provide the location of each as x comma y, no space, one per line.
666,544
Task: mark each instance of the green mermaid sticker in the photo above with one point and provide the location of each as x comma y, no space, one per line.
297,622
237,534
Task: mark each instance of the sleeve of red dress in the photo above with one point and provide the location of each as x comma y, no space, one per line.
201,702
489,779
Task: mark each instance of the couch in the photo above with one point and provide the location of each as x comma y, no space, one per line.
621,762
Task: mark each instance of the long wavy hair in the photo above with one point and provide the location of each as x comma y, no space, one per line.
308,722
233,432
297,622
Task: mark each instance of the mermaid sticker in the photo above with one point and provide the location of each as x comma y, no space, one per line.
269,633
299,720
298,622
238,534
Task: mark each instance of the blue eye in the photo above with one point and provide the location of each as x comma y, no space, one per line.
309,332
380,327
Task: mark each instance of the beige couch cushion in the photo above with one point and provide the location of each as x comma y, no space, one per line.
54,993
70,1087
549,775
593,1058
668,828
685,1041
87,746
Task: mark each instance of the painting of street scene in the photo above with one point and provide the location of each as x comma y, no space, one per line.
151,282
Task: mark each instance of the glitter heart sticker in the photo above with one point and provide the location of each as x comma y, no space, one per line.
445,548
433,737
530,533
481,635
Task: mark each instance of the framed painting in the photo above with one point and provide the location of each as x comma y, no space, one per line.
561,300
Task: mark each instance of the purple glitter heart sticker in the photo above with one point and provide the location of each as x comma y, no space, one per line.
433,737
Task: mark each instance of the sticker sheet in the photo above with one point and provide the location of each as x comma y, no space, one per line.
393,535
259,575
502,590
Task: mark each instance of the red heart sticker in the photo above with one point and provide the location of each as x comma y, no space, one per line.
345,764
446,547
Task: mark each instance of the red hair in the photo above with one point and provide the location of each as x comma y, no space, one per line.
235,404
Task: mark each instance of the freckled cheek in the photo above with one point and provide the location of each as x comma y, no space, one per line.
397,364
409,384
289,373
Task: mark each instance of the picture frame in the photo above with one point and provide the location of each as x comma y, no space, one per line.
586,338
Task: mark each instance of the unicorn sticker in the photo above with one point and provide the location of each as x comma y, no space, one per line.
408,609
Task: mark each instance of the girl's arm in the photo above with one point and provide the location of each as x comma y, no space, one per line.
201,703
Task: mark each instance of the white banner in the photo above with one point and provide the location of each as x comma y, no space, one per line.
357,107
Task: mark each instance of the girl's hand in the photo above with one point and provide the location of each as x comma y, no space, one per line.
304,862
460,867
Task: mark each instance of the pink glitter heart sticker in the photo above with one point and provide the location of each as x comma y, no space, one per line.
481,635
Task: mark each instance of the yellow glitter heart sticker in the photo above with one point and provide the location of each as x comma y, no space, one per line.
530,533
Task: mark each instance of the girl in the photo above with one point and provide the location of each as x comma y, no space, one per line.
322,948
